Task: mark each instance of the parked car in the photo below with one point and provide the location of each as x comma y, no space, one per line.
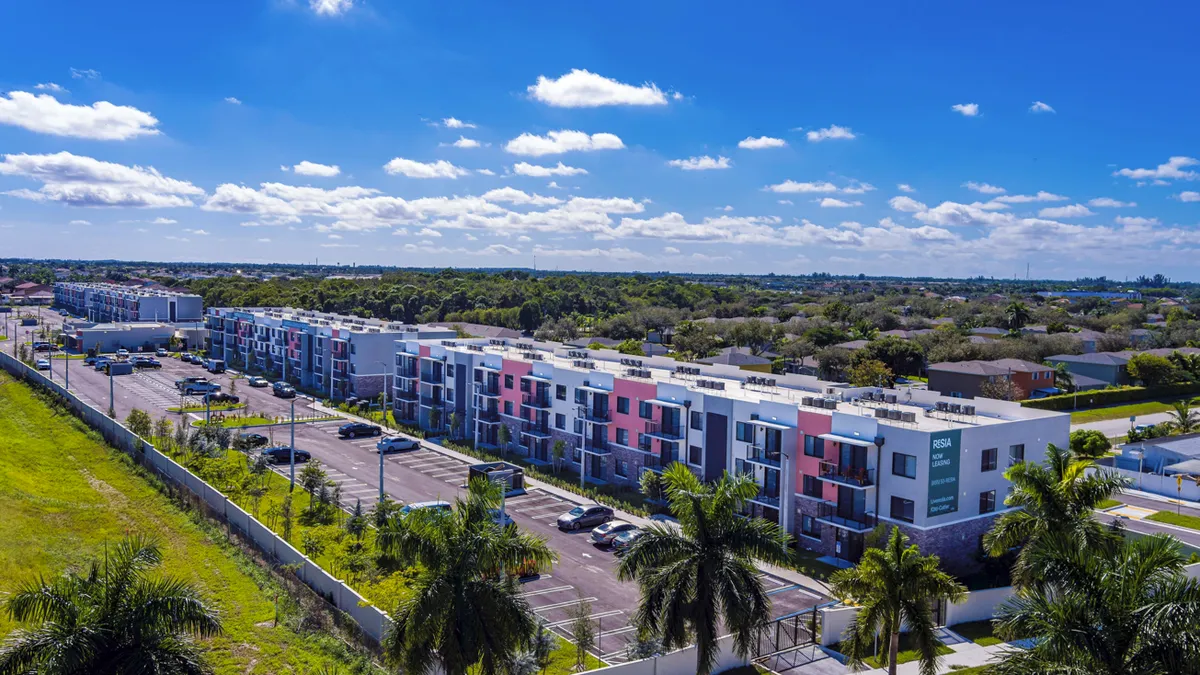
102,362
184,381
397,444
145,362
42,347
185,357
606,533
501,519
43,364
585,516
200,388
90,361
354,429
160,352
122,352
281,454
283,390
253,440
626,539
257,381
214,366
420,506
220,397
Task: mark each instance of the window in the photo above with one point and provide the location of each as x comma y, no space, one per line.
902,509
745,432
578,426
622,436
904,465
695,455
645,410
581,396
809,527
811,487
622,468
352,348
575,455
525,385
697,420
508,381
450,370
987,501
508,407
450,395
560,392
560,421
623,405
740,468
988,461
814,447
1016,453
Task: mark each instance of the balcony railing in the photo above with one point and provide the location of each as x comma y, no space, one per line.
670,432
538,429
601,416
657,463
539,400
858,521
852,476
596,447
767,497
406,395
488,416
432,377
406,373
432,402
765,457
489,389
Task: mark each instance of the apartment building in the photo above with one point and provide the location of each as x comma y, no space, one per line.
335,354
831,461
104,302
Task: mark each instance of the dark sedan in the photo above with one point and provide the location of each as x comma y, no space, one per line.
280,454
354,429
585,516
254,440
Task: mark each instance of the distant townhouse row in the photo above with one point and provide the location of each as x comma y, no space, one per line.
831,461
335,354
104,302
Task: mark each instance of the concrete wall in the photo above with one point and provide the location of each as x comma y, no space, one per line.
979,605
682,662
1158,484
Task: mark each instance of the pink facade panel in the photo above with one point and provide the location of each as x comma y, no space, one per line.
516,370
812,424
634,391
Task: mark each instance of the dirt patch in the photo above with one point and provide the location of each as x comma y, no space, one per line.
117,500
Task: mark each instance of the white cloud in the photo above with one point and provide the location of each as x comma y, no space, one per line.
1039,107
906,204
602,205
583,89
485,172
84,181
233,100
1189,196
414,169
103,121
517,197
761,143
50,86
792,186
727,208
830,133
163,221
832,203
671,250
1173,168
1109,203
455,123
1135,221
967,109
307,168
1072,211
264,240
553,185
1041,196
984,188
330,7
80,222
171,237
85,74
339,245
335,236
428,232
905,187
704,163
199,233
558,142
464,142
525,169
786,202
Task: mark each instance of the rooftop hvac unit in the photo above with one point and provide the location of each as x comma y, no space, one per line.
831,404
909,417
969,410
807,400
829,390
893,414
880,412
942,406
891,398
956,408
719,386
770,382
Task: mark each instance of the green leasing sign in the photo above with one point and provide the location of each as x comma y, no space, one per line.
944,450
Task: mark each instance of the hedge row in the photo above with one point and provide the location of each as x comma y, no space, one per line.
1101,397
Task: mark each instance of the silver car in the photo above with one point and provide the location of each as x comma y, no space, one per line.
585,516
397,444
606,533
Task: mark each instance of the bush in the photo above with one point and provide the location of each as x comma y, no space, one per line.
1089,443
1111,396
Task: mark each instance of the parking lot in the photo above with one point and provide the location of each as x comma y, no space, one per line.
584,572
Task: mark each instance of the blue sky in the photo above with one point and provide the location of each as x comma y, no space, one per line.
901,139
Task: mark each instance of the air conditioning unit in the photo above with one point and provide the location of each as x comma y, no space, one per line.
807,400
909,417
881,413
891,398
831,404
969,410
893,415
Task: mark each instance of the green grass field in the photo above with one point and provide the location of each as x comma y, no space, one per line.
906,652
1118,412
1172,518
980,632
248,421
65,494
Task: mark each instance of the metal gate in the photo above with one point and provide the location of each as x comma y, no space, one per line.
781,643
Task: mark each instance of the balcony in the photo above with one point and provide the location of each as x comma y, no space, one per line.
432,402
827,512
596,447
666,432
601,416
405,395
488,416
657,464
433,377
407,373
488,389
764,457
536,429
540,400
853,476
767,497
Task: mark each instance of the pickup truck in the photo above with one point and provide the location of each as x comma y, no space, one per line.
184,381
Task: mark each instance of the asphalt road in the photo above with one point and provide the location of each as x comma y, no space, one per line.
583,573
1119,427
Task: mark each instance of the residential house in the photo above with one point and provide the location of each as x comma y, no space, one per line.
1106,367
739,357
965,379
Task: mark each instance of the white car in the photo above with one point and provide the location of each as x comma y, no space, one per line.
43,364
397,444
122,352
160,352
606,533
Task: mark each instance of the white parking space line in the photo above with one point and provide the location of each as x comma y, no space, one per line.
597,615
560,605
546,591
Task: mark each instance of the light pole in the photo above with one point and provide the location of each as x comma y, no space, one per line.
292,448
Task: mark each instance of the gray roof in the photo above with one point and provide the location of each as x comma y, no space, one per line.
853,344
989,368
988,330
481,330
735,356
1187,445
1083,382
1098,358
1191,466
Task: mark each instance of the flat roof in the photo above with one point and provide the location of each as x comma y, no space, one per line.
849,440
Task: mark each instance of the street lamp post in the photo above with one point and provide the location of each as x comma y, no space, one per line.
292,448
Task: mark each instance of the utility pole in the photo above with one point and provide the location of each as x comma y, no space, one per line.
68,367
292,448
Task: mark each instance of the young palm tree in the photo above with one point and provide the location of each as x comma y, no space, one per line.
895,586
1063,378
1017,314
1123,610
465,612
1056,496
113,619
702,572
1183,418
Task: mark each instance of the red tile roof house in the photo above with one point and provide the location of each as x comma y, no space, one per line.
965,378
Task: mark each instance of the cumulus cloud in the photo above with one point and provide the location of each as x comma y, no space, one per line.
1109,203
414,169
761,143
103,121
517,197
830,133
832,203
80,222
1039,107
264,240
906,204
307,168
85,74
1189,196
1072,211
1135,221
163,221
50,86
786,202
984,188
792,186
330,7
671,250
485,172
704,163
232,100
905,187
584,89
558,142
1172,169
464,142
83,181
455,123
526,169
966,109
1041,196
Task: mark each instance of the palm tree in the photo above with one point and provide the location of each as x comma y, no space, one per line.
113,619
1123,610
465,611
1056,496
1017,314
1183,418
1063,378
703,571
895,586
